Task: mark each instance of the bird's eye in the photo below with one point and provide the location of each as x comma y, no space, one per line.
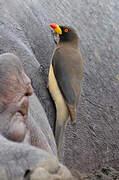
66,30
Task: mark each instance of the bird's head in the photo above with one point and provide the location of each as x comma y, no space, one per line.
66,33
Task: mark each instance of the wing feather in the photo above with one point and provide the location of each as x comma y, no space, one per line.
68,67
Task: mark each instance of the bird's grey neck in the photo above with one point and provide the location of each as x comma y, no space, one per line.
73,43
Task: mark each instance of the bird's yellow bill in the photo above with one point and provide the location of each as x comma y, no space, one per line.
56,28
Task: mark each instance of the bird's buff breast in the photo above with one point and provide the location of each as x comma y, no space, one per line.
55,92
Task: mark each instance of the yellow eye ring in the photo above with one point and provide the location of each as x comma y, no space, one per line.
66,30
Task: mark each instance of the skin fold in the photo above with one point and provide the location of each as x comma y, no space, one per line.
15,126
15,90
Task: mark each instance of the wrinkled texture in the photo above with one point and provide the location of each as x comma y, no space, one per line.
17,159
24,30
105,173
37,118
15,90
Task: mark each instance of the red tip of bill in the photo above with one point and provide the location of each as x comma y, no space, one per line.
54,26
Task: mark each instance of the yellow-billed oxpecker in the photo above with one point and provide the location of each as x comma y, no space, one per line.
65,77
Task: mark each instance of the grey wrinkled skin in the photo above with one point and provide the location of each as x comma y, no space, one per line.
20,160
37,113
15,90
24,31
16,159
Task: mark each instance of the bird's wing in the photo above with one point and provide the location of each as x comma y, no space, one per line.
67,66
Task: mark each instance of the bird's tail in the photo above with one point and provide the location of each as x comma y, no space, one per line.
59,134
73,112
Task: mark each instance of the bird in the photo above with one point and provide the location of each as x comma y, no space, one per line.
65,78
